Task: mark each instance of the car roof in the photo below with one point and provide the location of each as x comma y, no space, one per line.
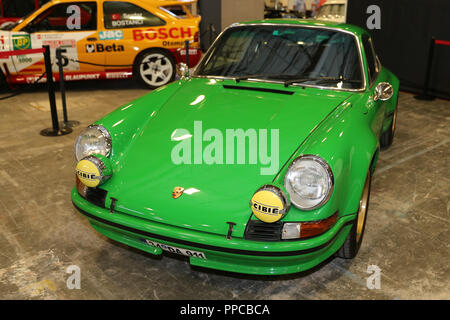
310,22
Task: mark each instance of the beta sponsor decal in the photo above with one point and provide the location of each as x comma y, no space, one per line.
111,35
162,33
98,47
21,41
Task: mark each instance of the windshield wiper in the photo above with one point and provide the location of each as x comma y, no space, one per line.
320,80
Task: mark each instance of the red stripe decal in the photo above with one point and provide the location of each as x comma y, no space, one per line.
443,42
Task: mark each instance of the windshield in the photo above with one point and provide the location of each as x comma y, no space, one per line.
286,53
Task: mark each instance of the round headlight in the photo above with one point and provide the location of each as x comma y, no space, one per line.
309,182
93,139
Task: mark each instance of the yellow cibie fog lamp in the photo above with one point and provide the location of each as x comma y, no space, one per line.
93,170
269,204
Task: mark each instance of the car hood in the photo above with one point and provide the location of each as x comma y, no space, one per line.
145,173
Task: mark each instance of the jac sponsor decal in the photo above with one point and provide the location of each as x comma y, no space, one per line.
21,42
162,33
98,47
110,35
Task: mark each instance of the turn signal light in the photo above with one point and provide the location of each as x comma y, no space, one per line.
302,230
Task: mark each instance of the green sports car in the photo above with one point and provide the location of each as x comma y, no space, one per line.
259,161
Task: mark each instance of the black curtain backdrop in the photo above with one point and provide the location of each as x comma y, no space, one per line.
403,41
210,26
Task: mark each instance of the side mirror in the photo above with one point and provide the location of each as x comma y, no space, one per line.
183,70
383,91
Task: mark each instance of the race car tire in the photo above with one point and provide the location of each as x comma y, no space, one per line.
387,137
3,83
155,68
352,243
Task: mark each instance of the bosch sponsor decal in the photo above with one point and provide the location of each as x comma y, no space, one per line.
21,41
98,47
162,33
111,35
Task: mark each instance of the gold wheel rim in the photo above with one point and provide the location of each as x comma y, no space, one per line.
362,211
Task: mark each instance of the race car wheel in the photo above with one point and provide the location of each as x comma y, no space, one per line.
155,68
387,137
354,239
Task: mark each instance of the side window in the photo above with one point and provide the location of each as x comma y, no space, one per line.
120,15
76,16
370,57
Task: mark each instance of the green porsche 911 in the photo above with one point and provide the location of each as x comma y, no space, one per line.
259,161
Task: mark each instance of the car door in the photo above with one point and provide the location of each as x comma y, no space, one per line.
376,109
71,26
122,20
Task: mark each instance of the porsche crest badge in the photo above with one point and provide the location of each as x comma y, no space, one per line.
177,192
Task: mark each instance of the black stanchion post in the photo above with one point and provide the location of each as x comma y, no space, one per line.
186,43
62,88
425,95
55,130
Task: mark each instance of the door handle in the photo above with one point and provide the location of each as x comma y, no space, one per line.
91,39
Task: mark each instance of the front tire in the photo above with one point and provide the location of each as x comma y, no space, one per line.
387,137
352,243
155,68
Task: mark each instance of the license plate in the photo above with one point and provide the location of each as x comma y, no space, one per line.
184,252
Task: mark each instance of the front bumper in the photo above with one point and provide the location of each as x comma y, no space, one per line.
234,255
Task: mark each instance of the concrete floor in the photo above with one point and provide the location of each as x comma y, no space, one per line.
41,234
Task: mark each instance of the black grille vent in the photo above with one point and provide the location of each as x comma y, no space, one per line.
96,196
262,231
